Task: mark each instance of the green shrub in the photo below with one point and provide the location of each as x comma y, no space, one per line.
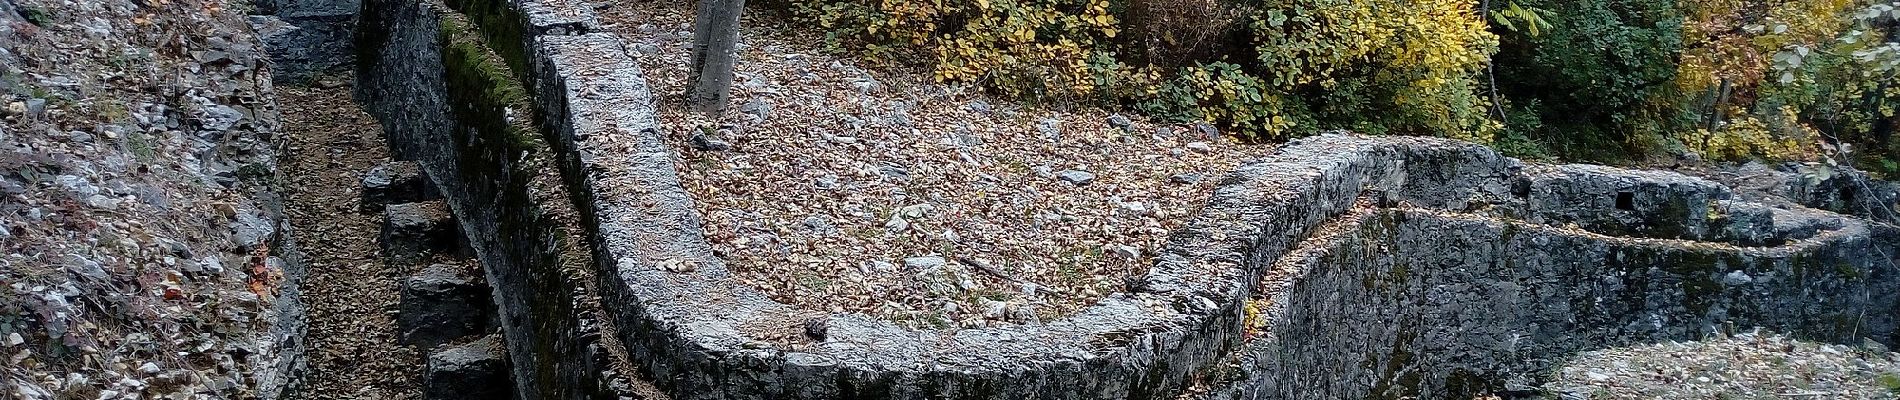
1256,67
1376,66
1593,72
1607,79
1221,92
1027,48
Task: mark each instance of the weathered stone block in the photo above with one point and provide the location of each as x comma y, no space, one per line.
412,232
395,182
1614,201
473,371
301,48
442,303
558,17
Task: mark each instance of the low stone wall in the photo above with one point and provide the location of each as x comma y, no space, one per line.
1451,302
307,38
698,334
448,103
1622,202
1842,191
1437,305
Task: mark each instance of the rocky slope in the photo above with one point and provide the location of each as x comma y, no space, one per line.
138,231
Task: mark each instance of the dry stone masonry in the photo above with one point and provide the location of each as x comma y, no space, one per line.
476,370
307,38
1467,273
442,303
1436,303
394,183
1341,266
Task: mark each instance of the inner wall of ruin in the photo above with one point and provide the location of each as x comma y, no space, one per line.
425,74
1441,305
1341,266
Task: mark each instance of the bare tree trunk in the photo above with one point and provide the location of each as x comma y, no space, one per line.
1490,66
715,35
1715,107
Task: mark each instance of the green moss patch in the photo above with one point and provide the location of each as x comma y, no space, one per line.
484,91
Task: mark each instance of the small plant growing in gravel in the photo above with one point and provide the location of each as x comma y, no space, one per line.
35,15
113,111
140,145
813,282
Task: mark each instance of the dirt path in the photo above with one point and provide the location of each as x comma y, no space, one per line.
351,294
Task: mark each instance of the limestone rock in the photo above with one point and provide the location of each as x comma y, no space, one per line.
394,182
442,303
1077,177
412,231
704,142
1200,147
473,371
302,47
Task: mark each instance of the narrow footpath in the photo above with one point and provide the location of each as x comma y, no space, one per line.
351,293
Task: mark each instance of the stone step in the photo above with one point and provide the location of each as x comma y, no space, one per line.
442,303
412,232
395,182
474,371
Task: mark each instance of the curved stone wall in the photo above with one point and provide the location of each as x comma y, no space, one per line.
443,102
1440,305
1392,265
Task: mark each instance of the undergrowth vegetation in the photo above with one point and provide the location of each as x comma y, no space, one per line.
1604,80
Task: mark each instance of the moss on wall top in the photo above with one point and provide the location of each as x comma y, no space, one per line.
484,90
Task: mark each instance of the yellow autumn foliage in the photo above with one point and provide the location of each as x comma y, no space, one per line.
1413,60
1020,47
1778,137
1419,59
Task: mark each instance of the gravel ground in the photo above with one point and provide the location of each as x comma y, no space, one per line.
1749,366
351,293
838,188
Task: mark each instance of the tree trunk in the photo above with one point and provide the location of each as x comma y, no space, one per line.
715,34
1490,66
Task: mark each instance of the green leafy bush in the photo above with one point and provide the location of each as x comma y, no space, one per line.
1728,79
1613,79
1028,48
1266,69
1594,70
1220,91
1373,66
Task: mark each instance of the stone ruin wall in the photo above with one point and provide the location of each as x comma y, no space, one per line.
1494,270
425,73
1446,305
